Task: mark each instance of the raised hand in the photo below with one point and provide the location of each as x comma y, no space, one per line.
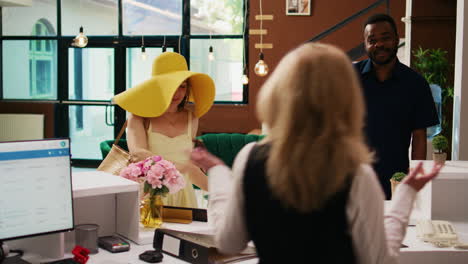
417,178
203,159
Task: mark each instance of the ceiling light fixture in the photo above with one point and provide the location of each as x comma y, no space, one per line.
261,68
245,77
80,40
164,45
144,56
211,56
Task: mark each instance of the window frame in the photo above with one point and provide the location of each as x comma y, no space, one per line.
120,43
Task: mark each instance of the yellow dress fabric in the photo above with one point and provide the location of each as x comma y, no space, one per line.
174,149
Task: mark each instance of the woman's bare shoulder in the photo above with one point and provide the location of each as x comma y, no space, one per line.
134,117
138,120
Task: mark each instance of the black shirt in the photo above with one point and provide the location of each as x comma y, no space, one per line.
395,107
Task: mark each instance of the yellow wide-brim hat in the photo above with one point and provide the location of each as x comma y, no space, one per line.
152,97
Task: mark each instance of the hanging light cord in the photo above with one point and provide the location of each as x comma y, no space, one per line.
180,47
261,27
81,13
142,40
243,32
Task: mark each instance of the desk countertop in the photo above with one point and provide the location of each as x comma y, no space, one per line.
131,257
417,251
91,183
452,170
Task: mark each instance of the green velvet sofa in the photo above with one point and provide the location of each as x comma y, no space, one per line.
223,145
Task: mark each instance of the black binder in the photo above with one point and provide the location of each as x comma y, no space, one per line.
197,214
195,248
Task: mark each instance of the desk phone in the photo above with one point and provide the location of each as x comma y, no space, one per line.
439,233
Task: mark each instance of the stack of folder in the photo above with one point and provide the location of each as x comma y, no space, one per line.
195,248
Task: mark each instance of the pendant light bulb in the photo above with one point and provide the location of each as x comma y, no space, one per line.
211,56
164,48
261,68
143,53
80,40
245,79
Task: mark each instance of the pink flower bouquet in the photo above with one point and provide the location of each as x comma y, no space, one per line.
158,175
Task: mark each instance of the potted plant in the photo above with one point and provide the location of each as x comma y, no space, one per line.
434,67
396,179
440,146
432,64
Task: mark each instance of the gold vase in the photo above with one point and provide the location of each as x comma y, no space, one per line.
151,211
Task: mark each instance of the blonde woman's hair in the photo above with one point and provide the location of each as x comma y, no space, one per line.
314,108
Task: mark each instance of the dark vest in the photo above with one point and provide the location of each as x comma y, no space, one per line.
283,235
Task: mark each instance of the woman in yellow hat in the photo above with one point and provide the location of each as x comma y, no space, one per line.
161,123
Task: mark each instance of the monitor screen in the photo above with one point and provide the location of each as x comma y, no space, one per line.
35,188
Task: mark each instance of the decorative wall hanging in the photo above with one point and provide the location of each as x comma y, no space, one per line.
298,7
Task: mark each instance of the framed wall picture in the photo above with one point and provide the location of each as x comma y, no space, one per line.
298,7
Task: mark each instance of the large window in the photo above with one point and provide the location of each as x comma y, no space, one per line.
42,62
39,63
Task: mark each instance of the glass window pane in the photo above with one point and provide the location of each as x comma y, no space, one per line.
139,69
43,69
225,69
29,73
87,130
222,17
90,73
21,21
48,48
152,17
96,17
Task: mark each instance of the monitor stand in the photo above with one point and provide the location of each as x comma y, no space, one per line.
15,260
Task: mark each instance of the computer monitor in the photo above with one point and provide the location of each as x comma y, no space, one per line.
35,188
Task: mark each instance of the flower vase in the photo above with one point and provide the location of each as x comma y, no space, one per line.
151,211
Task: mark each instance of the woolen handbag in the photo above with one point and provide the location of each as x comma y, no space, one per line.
117,158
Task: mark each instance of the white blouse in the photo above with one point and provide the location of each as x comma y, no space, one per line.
376,237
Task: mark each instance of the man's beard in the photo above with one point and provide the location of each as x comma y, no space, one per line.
392,52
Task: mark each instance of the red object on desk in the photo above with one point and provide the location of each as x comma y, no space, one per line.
81,254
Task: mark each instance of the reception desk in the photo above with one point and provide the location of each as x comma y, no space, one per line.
417,251
443,199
